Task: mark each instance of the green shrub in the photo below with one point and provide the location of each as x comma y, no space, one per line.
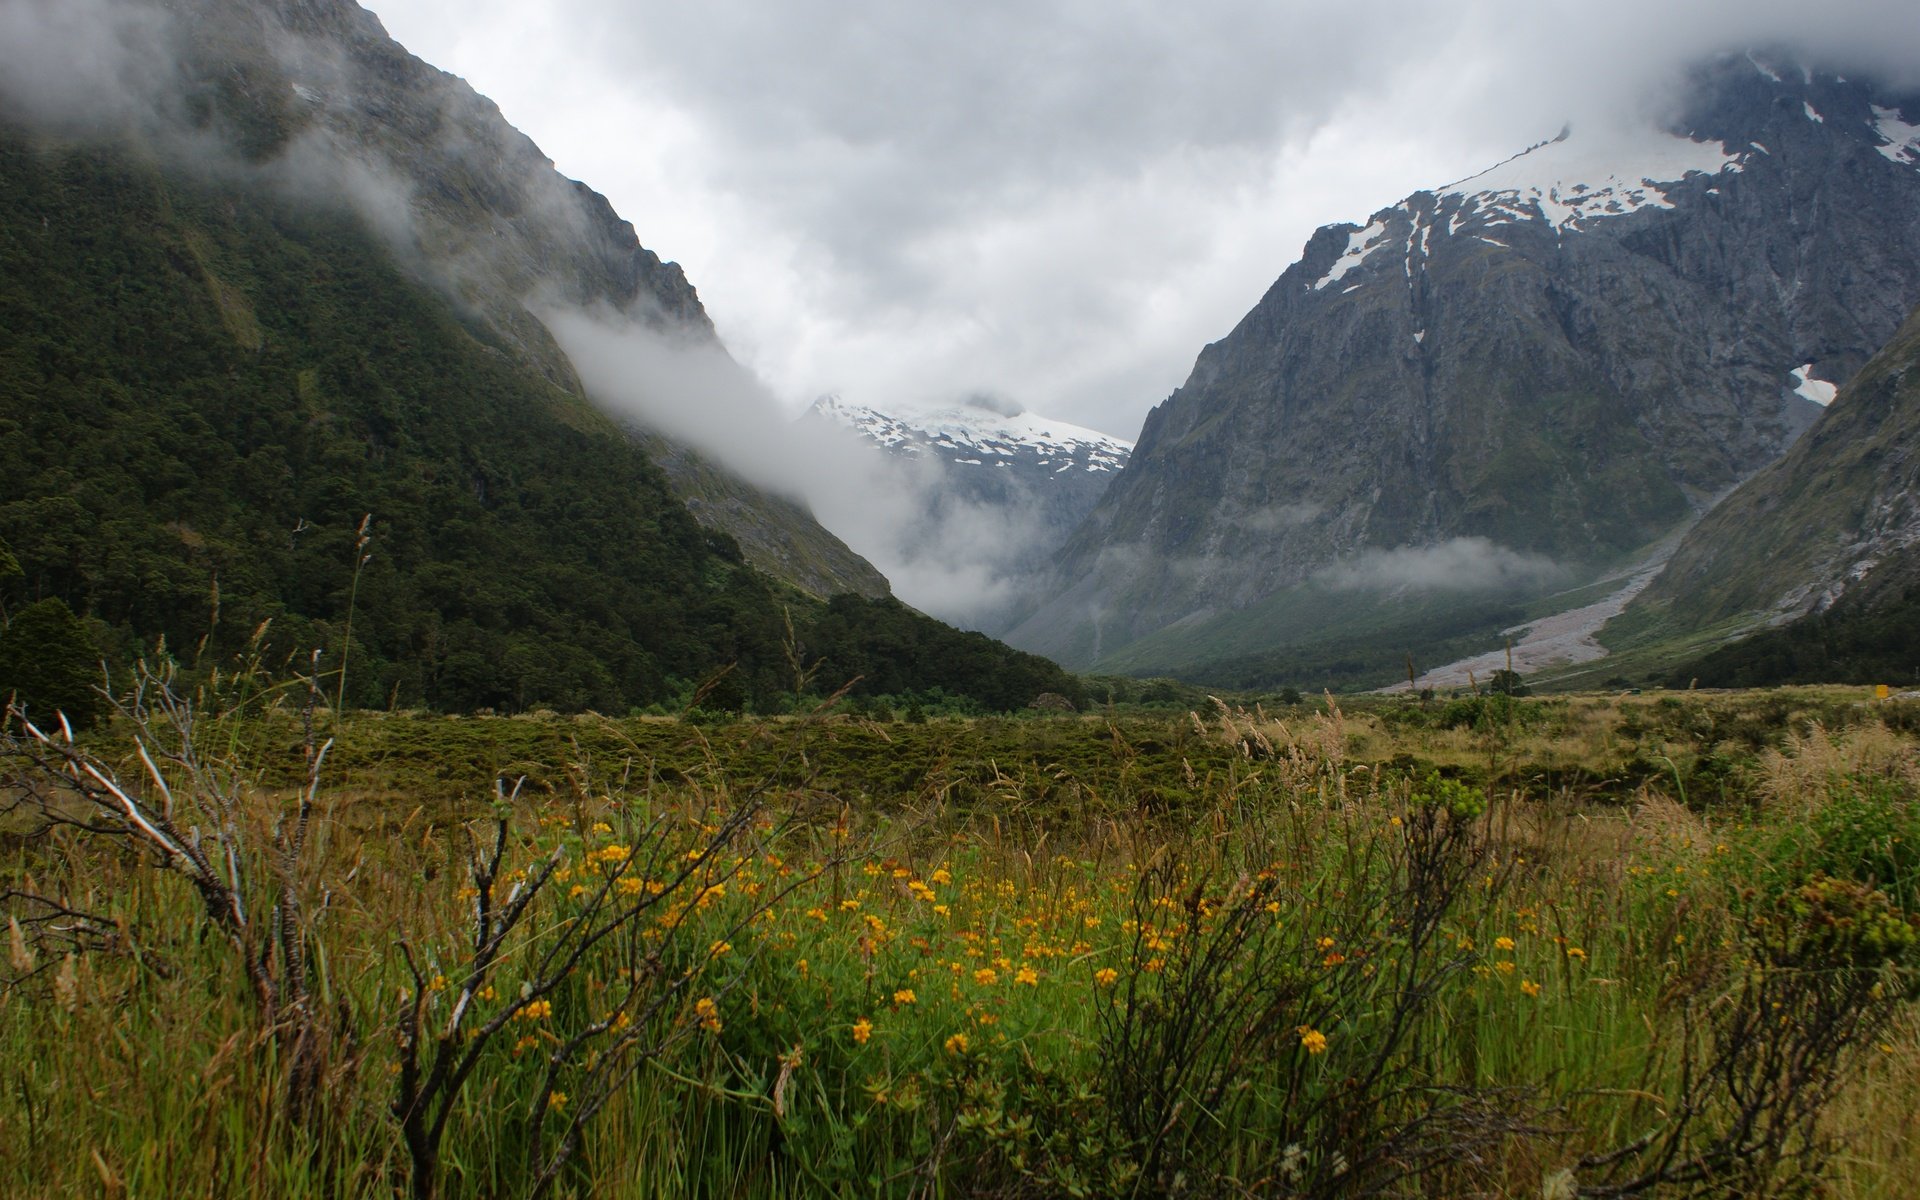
49,663
1868,832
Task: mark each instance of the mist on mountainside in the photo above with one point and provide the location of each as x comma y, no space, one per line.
126,70
954,558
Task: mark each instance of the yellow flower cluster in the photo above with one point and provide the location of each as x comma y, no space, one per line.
708,1013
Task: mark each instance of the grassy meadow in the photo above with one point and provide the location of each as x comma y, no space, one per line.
1577,946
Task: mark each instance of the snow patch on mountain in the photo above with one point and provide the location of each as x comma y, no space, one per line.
1359,246
1568,182
974,435
1764,69
1901,137
1817,390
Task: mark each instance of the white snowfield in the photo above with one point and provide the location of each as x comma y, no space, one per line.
1902,138
1361,244
1817,390
1572,180
1569,183
973,436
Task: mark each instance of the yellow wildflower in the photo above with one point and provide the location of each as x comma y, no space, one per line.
1106,977
1311,1039
986,977
862,1030
708,1012
957,1044
1503,943
1529,987
1028,976
904,996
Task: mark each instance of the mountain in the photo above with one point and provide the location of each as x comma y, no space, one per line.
314,96
257,388
1496,390
1077,460
1820,550
987,480
980,496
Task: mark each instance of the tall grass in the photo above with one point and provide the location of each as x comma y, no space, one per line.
1310,973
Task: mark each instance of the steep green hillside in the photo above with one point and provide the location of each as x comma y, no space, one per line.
203,391
1836,505
1827,540
1849,643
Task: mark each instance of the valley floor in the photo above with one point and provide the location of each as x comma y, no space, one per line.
1588,945
1559,639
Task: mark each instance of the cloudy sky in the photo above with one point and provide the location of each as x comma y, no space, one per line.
1057,201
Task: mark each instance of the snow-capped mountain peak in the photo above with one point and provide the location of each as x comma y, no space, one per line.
977,435
1571,180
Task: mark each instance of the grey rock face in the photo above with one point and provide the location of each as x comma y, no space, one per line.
1534,371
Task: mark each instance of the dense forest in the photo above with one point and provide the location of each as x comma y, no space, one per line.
221,408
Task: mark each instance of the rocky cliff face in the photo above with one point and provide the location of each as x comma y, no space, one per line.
1503,384
315,95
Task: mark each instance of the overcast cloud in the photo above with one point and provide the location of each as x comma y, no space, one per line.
1056,200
